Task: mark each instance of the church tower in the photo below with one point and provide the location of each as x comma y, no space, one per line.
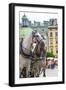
25,22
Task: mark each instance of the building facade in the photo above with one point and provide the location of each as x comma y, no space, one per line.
53,37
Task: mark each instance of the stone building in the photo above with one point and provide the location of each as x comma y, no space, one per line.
53,37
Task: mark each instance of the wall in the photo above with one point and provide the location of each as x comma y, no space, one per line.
4,44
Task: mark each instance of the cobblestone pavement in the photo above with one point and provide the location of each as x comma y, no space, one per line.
50,72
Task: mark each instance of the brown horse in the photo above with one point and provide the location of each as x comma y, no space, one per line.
39,61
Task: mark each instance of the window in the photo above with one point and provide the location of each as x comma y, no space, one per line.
56,41
51,34
56,34
51,41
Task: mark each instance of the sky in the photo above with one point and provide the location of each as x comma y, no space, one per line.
38,16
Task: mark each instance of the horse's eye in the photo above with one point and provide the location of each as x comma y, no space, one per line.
36,35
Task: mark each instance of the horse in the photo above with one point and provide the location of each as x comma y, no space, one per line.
39,55
28,57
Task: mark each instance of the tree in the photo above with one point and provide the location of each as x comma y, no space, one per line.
50,54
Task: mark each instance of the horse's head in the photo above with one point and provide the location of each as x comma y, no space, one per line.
39,46
37,40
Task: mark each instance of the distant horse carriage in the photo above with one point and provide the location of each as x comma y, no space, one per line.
32,56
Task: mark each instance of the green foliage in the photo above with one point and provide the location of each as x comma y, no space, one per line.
50,54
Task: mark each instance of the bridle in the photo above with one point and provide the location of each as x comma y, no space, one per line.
23,48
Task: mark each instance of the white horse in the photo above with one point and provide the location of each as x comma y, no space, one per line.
25,61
